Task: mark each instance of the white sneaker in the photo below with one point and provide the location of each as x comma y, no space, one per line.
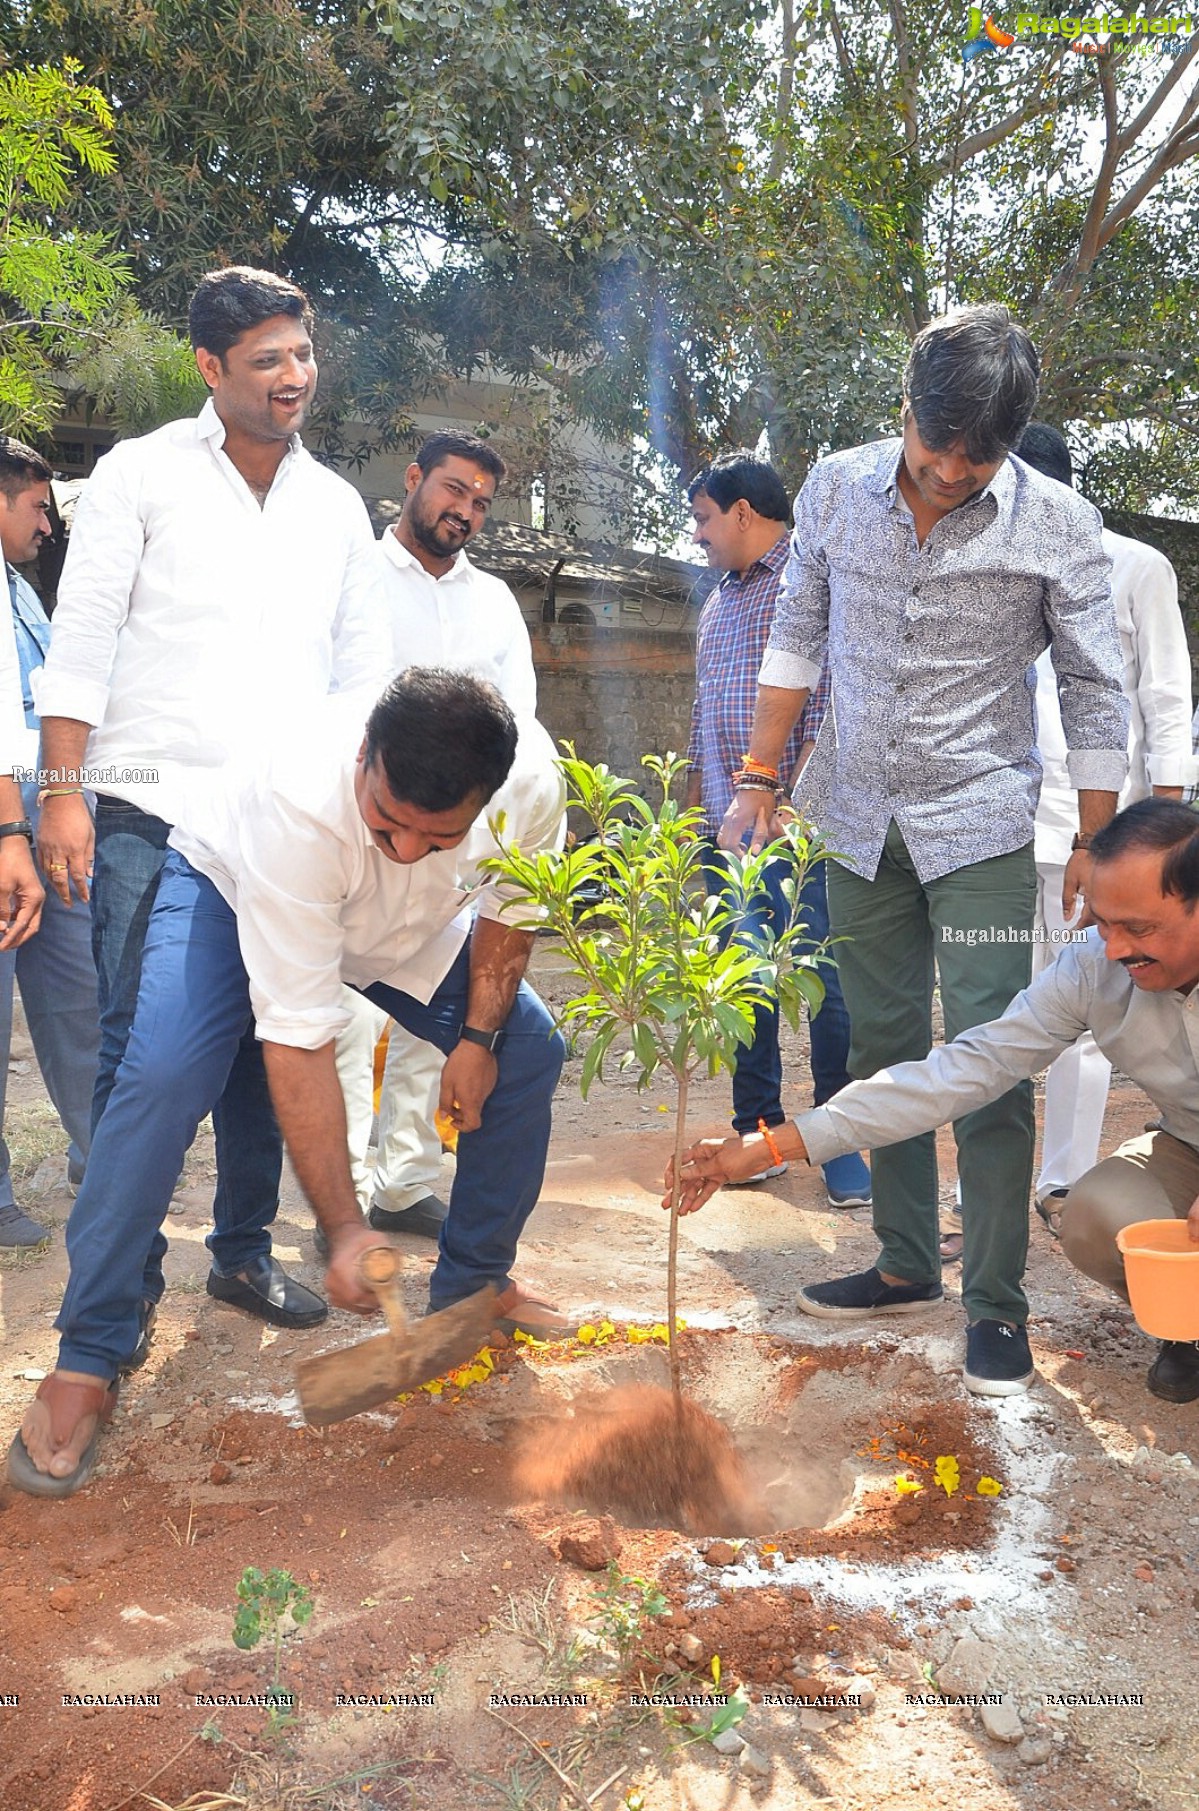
776,1169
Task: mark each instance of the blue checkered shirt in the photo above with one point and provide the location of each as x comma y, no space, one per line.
734,629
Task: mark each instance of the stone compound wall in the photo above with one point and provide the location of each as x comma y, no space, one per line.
616,694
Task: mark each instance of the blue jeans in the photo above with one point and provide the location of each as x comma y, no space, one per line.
193,1011
131,848
758,1076
57,978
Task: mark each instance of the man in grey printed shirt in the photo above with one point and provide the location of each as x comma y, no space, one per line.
1133,981
934,569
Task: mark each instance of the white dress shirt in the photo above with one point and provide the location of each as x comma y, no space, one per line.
319,904
1152,1037
467,620
191,618
1157,684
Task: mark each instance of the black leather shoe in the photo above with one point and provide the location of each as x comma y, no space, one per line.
1174,1373
424,1218
147,1314
264,1288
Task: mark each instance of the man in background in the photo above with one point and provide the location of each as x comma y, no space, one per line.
54,970
741,521
442,611
1157,684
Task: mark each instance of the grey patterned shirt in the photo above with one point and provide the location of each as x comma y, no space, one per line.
1152,1037
931,650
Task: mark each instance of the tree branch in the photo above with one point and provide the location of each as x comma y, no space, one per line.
1161,93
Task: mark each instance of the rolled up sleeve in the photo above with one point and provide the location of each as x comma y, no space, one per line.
290,890
795,653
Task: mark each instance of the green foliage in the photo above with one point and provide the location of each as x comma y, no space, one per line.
624,1604
724,1716
264,1601
667,973
54,283
671,975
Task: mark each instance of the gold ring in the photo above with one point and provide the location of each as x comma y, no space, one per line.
52,865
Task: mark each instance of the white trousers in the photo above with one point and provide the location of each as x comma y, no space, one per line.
1077,1083
408,1159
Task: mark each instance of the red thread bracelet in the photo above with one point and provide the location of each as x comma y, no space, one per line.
775,1153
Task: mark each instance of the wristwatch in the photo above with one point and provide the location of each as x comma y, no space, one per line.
22,827
488,1039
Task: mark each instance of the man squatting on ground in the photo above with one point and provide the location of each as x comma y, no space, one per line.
219,583
742,517
55,970
1133,983
931,571
337,858
442,610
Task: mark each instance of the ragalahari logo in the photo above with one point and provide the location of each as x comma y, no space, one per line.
982,34
1093,35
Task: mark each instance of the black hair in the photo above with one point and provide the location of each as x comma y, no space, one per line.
440,737
1163,825
228,302
973,377
440,447
742,475
20,467
1045,449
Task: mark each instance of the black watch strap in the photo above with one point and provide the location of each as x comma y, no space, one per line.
488,1039
22,827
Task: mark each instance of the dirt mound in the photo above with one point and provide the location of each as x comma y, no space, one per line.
650,1459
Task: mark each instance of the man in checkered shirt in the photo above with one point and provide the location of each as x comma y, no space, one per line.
742,519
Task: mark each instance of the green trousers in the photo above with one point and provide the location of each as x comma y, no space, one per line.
898,928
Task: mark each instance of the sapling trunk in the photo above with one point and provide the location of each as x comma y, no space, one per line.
672,1258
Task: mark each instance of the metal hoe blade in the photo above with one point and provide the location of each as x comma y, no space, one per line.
336,1385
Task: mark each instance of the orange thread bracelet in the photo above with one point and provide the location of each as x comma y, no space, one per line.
764,1129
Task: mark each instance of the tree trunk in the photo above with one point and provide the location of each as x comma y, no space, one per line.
672,1261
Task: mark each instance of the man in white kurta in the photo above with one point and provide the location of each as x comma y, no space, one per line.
443,610
1157,684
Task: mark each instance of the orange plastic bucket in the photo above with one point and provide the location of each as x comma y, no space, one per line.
1161,1265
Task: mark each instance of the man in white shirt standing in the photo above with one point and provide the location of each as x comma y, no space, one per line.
443,611
1157,684
219,582
55,970
349,858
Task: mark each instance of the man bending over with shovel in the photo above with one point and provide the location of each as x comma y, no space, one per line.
343,858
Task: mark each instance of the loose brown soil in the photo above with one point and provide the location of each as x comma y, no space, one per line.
435,1567
652,1459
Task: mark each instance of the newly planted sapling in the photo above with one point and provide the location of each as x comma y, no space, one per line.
669,976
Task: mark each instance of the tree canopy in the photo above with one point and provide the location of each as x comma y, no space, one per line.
680,230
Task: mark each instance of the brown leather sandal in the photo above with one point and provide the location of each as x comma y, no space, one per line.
68,1404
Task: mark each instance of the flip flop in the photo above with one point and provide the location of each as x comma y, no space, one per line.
952,1245
73,1402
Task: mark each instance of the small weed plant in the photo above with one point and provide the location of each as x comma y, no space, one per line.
264,1601
623,1607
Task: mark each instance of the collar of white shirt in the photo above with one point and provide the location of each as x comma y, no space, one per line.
395,550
